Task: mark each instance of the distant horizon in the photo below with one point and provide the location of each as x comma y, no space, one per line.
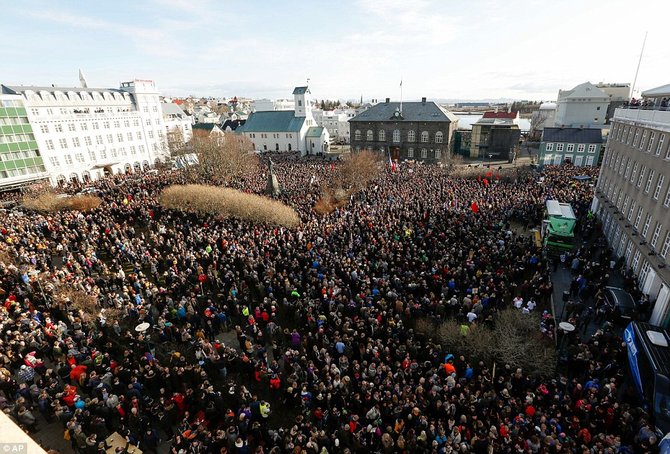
516,50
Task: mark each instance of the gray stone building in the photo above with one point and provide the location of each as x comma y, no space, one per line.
411,130
632,197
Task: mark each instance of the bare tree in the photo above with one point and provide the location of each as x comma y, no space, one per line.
222,158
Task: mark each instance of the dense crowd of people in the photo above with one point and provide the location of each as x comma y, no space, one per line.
267,339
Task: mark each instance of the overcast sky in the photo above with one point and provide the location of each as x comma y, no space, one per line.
454,49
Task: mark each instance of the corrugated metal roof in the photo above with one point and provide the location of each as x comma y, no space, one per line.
556,208
170,108
411,111
573,135
300,90
273,121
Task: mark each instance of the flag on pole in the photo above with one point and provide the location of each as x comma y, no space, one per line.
400,83
474,207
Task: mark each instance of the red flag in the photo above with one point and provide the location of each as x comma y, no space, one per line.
474,207
486,182
489,174
332,167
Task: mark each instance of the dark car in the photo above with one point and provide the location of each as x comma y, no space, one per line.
622,303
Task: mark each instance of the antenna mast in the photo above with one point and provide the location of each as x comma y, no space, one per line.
632,89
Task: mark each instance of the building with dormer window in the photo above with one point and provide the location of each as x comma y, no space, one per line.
410,130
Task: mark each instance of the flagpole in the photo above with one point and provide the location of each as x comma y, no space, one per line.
401,96
632,89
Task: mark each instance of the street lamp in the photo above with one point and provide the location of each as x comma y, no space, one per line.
490,157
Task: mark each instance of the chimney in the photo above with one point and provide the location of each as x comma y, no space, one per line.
388,100
423,100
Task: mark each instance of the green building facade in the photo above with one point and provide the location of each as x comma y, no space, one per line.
20,158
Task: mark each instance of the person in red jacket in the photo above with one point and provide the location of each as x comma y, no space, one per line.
76,372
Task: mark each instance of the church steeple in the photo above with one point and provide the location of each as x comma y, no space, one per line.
303,105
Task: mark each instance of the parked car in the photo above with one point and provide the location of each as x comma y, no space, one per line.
622,303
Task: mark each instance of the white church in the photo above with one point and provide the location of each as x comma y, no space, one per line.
287,130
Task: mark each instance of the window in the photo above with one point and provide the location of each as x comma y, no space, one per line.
438,153
424,137
410,152
382,135
641,177
657,233
117,124
91,155
151,134
636,260
50,144
581,148
119,137
130,136
370,136
396,135
79,157
632,176
148,122
560,146
439,137
647,186
630,135
647,223
136,122
592,148
84,127
75,142
145,109
113,153
105,124
110,138
63,143
103,154
637,137
644,139
34,111
652,136
126,123
87,141
589,160
98,140
71,127
659,186
424,153
54,161
571,147
139,135
155,109
411,136
638,217
666,201
44,129
96,125
661,139
666,245
68,159
549,147
132,149
58,128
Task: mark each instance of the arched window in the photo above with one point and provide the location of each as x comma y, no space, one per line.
424,137
439,137
424,153
382,135
370,136
396,135
410,152
357,135
438,153
411,136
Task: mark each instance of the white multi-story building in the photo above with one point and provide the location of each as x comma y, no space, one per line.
335,121
85,133
585,106
265,105
178,125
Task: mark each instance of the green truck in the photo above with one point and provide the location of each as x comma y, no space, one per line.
558,227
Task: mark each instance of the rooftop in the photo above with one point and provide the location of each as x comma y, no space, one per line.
273,121
573,135
501,114
411,111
